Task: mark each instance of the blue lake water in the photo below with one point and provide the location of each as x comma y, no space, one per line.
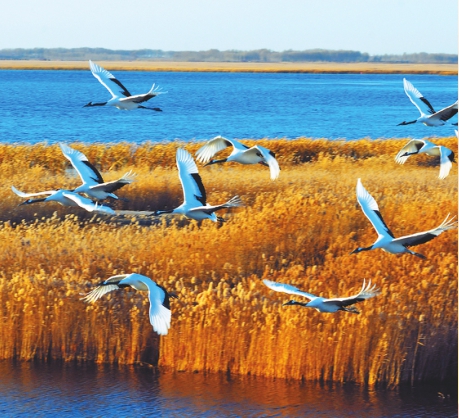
30,390
41,106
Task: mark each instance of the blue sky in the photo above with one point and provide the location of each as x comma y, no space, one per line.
372,26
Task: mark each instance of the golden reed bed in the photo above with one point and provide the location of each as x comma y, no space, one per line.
282,67
299,229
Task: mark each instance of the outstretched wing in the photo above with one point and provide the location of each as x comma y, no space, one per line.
412,146
371,210
287,288
194,192
423,237
140,98
22,194
107,286
113,186
423,105
87,172
366,292
108,80
446,113
98,292
215,145
234,202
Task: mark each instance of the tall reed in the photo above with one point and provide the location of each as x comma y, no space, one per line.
299,229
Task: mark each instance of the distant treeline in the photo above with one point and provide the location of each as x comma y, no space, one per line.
214,55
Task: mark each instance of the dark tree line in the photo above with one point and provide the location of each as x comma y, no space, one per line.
215,55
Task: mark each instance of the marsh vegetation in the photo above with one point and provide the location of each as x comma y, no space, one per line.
299,229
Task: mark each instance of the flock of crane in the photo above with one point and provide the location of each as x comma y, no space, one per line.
94,189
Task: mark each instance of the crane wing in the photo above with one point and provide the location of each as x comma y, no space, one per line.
371,210
234,202
22,194
366,292
108,80
423,105
140,98
270,159
113,186
88,204
445,162
412,146
423,237
194,192
160,316
213,146
446,113
287,288
98,292
105,287
87,172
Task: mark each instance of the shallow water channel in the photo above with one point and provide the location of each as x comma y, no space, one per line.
28,389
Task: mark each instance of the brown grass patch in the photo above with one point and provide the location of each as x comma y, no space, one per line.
251,67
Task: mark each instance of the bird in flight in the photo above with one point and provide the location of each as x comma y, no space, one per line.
93,183
428,115
160,311
419,146
121,98
386,240
323,304
240,153
65,198
194,204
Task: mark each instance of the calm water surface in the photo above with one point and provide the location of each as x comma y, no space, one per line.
28,390
48,105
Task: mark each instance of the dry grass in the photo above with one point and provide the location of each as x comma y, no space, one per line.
299,229
252,67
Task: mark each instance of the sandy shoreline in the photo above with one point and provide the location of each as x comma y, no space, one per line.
309,67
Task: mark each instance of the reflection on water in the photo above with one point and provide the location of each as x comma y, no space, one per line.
89,390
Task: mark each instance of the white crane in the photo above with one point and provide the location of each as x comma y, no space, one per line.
194,204
121,98
160,311
419,146
323,304
428,115
93,183
386,240
65,198
240,153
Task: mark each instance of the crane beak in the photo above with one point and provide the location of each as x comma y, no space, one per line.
26,202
